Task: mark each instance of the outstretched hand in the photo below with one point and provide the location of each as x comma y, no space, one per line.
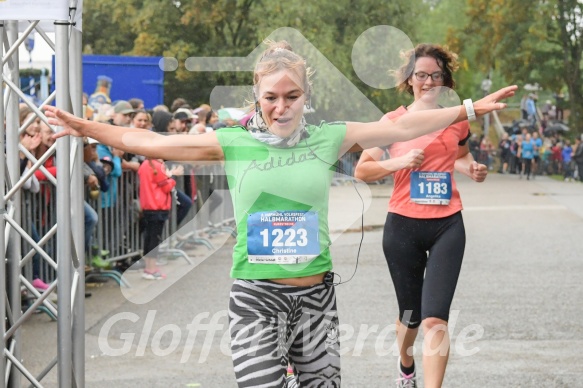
491,101
69,123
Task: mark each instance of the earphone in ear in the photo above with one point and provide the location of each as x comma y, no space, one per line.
309,98
256,102
308,102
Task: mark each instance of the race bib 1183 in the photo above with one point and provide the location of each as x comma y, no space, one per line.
282,237
430,187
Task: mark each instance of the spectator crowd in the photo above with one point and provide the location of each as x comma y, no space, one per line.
153,187
110,173
537,144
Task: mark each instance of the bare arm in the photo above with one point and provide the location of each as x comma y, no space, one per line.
203,147
127,165
370,168
361,136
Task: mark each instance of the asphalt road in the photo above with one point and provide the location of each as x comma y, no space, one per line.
516,317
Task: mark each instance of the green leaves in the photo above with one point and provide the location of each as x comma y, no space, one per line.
204,28
535,42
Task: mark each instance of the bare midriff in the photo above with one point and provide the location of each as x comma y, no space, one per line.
305,281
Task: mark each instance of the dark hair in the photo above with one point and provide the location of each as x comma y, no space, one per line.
136,102
202,115
160,121
178,103
209,115
446,60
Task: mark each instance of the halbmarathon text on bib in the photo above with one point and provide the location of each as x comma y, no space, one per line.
430,187
282,237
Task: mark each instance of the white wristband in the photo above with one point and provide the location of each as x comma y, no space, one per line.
470,109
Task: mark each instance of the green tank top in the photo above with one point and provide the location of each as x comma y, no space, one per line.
280,200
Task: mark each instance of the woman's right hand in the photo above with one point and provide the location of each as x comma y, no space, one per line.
371,168
71,124
412,159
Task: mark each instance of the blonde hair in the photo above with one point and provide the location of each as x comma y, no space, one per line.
103,113
280,56
23,111
160,107
446,60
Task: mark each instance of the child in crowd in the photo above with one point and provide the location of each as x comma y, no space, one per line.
155,200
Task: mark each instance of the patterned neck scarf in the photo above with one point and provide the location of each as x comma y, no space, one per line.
258,129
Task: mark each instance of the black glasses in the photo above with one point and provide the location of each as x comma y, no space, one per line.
422,76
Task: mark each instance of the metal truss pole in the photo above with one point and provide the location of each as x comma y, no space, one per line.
14,242
3,304
70,360
77,186
64,251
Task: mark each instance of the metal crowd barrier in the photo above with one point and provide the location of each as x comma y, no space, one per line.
344,172
117,231
117,236
40,219
211,212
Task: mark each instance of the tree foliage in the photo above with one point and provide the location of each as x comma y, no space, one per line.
539,42
516,41
227,28
442,24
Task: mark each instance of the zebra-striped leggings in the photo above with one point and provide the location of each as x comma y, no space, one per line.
273,324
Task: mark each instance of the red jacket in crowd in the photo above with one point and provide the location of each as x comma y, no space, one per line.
51,168
155,185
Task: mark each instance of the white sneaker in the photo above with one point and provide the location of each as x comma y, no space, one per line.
405,381
157,275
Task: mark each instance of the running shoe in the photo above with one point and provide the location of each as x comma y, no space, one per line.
39,284
405,381
157,275
99,262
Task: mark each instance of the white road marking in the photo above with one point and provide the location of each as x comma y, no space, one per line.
514,207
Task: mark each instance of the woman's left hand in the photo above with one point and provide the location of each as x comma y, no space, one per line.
71,124
491,101
478,172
